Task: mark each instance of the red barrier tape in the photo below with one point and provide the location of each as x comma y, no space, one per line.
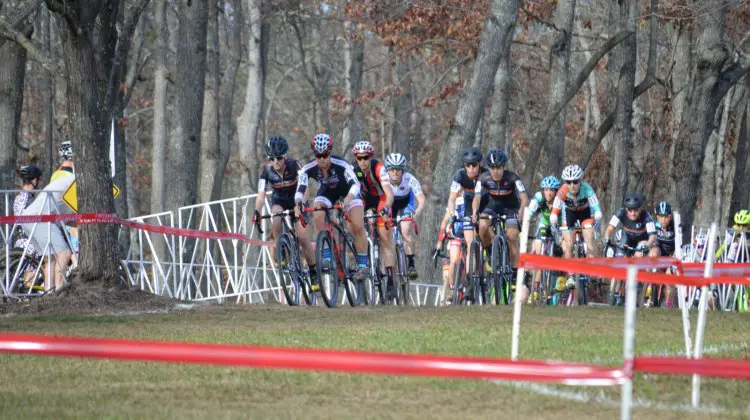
721,368
719,270
108,218
313,359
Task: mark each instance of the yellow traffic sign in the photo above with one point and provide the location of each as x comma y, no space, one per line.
70,197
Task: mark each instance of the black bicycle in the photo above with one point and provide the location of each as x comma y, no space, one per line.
375,285
294,277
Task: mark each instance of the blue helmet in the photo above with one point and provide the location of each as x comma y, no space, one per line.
551,182
663,208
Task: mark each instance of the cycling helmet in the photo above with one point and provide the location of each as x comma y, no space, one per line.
633,201
321,144
66,150
395,161
29,173
663,208
551,182
572,173
276,146
496,158
363,147
742,217
472,155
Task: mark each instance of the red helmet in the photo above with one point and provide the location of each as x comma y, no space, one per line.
363,147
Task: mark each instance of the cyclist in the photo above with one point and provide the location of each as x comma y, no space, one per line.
377,195
506,196
740,229
639,229
280,175
542,202
406,190
577,201
455,234
336,181
665,236
464,181
31,175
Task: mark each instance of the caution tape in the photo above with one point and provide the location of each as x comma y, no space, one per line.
109,218
313,359
720,368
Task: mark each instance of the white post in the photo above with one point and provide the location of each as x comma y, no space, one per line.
702,307
628,343
682,289
519,284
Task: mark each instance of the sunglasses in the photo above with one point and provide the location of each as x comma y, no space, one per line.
275,159
323,156
633,210
572,182
472,165
363,158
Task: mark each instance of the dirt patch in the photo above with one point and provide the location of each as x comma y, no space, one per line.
75,300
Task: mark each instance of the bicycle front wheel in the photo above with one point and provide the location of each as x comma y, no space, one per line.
371,294
475,274
355,289
459,281
288,273
400,279
327,269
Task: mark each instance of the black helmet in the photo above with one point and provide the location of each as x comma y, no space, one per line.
496,158
633,201
29,173
276,146
472,155
663,208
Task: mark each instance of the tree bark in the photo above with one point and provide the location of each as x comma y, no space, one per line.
161,122
623,134
498,130
49,90
740,192
559,82
249,121
496,35
354,58
210,143
402,108
190,81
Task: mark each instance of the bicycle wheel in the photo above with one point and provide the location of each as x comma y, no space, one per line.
371,290
399,277
327,269
475,273
287,266
354,289
497,270
19,265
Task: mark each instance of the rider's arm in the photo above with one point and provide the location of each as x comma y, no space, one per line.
416,189
351,179
385,182
557,205
477,200
596,207
533,206
651,230
261,190
524,203
299,195
614,223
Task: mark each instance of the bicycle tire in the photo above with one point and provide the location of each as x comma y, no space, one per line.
354,289
459,281
497,271
286,265
371,292
15,283
475,272
327,269
399,277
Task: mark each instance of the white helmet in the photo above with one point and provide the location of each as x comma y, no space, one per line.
363,147
395,161
572,173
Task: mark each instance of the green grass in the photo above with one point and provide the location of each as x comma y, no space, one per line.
59,387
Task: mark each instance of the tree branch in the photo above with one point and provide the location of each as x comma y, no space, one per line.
62,8
541,136
9,32
21,14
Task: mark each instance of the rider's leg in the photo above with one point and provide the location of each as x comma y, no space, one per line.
356,212
61,261
485,233
536,248
588,237
275,228
511,231
389,256
567,242
408,235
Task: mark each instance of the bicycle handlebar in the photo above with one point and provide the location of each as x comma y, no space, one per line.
282,213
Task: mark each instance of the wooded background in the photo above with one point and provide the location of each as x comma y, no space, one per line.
648,96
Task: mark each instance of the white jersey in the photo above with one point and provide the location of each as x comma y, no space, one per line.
409,185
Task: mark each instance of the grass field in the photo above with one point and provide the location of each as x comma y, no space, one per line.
56,387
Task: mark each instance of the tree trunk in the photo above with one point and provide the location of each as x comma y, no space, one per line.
720,146
498,130
88,125
12,73
160,124
740,192
210,143
623,128
681,87
709,87
249,121
494,39
48,87
354,58
402,106
559,83
190,80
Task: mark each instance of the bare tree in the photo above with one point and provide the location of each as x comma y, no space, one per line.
402,106
160,125
498,131
210,143
354,55
740,193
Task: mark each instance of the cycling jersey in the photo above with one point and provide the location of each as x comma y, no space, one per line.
578,208
371,182
334,185
665,238
635,230
461,180
284,185
503,194
405,193
61,171
538,203
458,225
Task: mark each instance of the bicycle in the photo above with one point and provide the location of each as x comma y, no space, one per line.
339,263
565,297
545,290
375,285
294,278
501,273
400,278
616,295
458,276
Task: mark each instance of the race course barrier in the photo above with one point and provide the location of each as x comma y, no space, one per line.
313,359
